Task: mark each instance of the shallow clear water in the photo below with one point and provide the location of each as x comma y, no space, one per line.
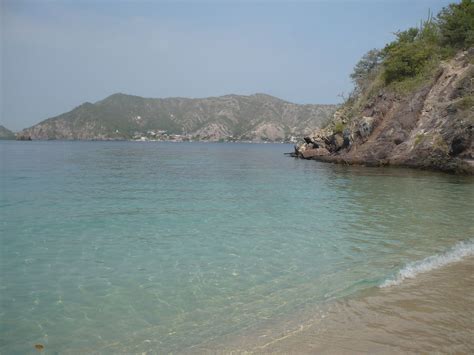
124,246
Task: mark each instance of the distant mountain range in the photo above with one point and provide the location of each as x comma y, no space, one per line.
257,117
6,133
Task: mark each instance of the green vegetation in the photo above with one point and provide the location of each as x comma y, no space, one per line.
456,24
410,84
416,51
338,127
465,103
366,69
419,138
6,133
411,60
440,144
231,117
411,53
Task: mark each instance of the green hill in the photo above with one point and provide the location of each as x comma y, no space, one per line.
120,116
6,133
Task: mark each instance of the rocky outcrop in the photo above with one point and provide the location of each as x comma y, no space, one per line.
256,117
431,129
22,137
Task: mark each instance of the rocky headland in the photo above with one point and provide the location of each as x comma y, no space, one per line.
413,101
432,128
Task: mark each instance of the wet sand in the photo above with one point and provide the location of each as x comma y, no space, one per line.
433,312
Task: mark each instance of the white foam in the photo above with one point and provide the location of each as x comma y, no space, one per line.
456,253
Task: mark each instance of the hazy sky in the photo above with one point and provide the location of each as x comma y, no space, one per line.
57,54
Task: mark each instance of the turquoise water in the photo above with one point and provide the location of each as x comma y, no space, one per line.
124,246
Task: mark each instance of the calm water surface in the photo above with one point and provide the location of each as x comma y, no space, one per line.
124,246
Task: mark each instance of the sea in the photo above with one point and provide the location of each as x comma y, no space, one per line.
163,247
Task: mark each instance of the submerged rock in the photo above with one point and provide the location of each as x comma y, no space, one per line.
39,347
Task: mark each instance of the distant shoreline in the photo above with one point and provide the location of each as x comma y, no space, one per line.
148,141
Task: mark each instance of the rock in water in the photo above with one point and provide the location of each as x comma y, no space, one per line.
39,347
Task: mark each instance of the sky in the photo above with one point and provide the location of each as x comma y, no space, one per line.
56,55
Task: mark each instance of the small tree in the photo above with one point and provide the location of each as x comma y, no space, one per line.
406,61
410,53
456,23
365,68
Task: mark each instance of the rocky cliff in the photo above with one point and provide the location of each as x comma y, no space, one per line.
6,133
431,127
256,117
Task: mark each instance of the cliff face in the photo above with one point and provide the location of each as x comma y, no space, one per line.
431,128
254,117
6,133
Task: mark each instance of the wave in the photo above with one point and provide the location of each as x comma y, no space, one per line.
456,253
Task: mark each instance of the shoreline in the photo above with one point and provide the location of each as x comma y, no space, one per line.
146,141
459,167
432,312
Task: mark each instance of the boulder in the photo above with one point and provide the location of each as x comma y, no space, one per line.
337,141
459,145
346,135
399,137
301,147
366,126
327,139
310,153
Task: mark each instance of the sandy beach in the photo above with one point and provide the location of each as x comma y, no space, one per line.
433,312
